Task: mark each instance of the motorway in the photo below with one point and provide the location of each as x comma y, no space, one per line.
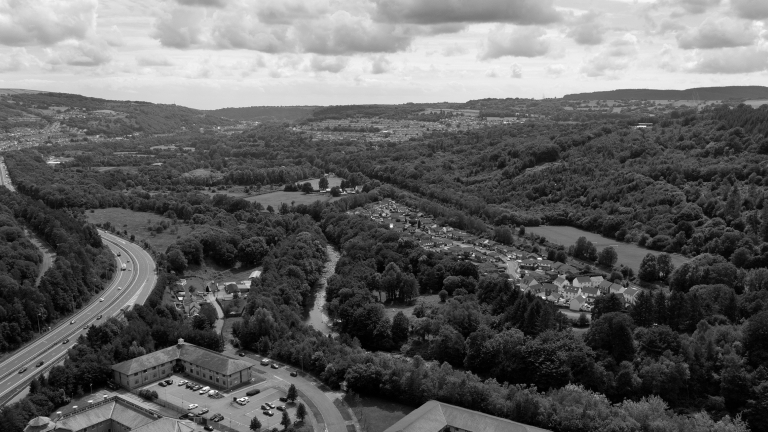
129,287
4,179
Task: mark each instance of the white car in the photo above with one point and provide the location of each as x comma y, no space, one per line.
182,382
204,390
101,299
192,406
119,287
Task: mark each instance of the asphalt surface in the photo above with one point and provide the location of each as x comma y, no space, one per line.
129,287
4,179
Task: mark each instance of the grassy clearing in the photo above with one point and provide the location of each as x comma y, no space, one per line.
139,225
376,414
332,181
274,199
390,310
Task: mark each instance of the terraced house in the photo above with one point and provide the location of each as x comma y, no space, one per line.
201,364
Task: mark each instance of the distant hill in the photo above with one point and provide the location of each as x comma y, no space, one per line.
266,113
700,93
17,91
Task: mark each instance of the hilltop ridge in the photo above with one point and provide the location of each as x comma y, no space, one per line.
700,93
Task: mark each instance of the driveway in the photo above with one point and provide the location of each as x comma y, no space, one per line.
219,313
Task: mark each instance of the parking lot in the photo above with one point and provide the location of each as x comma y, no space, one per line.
235,415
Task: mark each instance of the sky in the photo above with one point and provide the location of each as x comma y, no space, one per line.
211,54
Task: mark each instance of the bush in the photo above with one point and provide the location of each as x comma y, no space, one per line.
149,395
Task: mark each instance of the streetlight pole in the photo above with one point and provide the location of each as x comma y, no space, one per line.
39,330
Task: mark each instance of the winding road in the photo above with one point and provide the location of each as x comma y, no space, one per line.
129,287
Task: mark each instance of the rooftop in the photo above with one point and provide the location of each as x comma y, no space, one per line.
194,354
433,416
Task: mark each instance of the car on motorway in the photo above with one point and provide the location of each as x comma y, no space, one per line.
253,392
65,341
118,253
269,413
192,406
99,317
101,299
72,322
85,327
22,370
119,287
40,363
274,366
294,373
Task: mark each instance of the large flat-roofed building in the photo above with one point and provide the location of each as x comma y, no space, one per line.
201,364
436,416
113,414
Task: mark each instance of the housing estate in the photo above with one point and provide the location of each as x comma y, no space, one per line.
202,364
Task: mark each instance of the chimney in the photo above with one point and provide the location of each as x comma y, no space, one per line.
181,342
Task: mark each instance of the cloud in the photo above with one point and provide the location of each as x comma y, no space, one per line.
45,22
153,61
522,12
289,11
454,50
328,64
204,3
181,28
236,31
112,36
18,59
724,33
380,65
343,33
555,70
586,29
615,57
731,61
520,42
81,53
750,9
517,72
695,6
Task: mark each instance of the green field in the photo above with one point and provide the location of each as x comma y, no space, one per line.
139,224
274,199
376,414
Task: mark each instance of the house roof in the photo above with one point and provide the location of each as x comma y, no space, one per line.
167,424
194,354
115,409
596,278
579,299
589,290
434,416
560,279
569,288
605,284
549,286
630,292
583,279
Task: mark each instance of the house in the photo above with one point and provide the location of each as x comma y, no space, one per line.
554,297
569,292
604,287
576,303
616,289
550,288
529,264
436,416
630,295
545,265
581,281
561,282
528,282
597,280
199,363
590,292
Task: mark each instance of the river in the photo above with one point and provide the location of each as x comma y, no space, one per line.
629,254
318,316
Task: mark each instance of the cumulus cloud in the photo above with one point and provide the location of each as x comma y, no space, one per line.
724,33
615,57
750,9
45,22
454,50
520,42
731,61
328,64
523,12
586,30
343,33
517,72
80,53
112,36
380,65
204,3
154,61
181,28
695,6
555,69
16,60
289,11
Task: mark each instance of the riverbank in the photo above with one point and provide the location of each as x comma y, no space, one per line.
317,316
629,254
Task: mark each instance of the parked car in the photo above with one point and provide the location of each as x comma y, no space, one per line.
274,366
217,417
253,392
280,408
169,381
162,384
192,406
203,411
101,299
283,399
264,362
182,382
264,407
204,390
208,427
269,413
241,354
294,373
270,405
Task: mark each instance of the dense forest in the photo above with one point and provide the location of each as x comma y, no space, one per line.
81,268
690,354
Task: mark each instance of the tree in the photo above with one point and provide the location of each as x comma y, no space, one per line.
335,191
323,183
255,424
583,321
605,304
649,271
400,327
177,261
664,266
608,257
612,334
270,208
286,420
733,204
301,412
251,251
292,393
307,188
642,312
443,294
